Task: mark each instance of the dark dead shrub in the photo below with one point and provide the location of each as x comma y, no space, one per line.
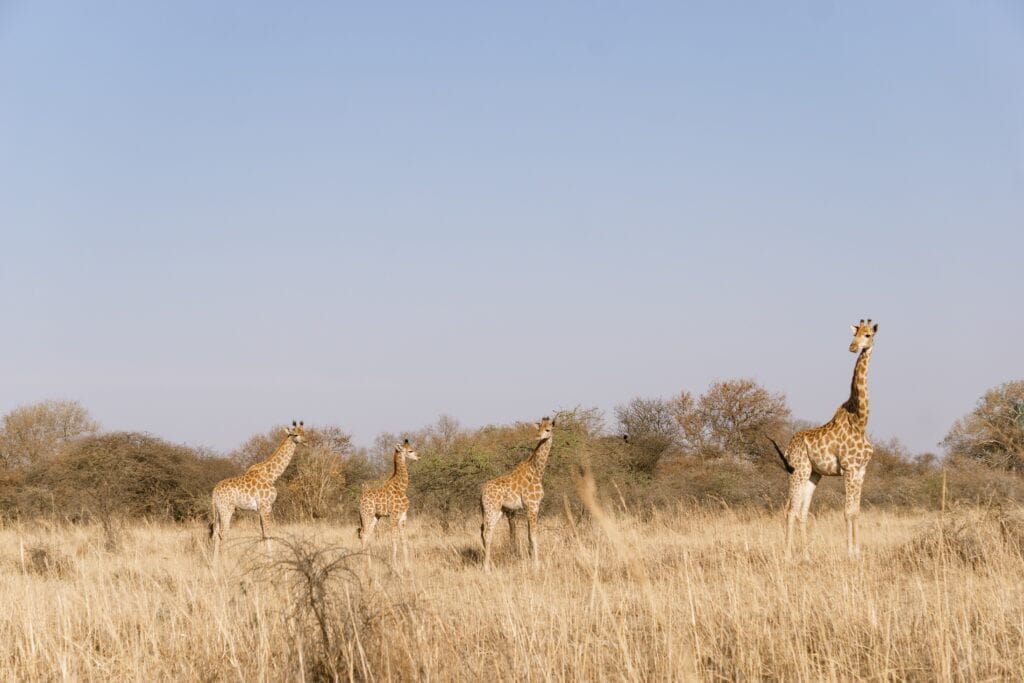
954,537
44,560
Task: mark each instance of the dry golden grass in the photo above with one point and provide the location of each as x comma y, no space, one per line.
678,596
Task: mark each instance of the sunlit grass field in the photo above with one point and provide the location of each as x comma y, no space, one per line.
666,596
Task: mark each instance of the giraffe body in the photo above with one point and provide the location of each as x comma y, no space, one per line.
840,447
520,489
253,490
389,500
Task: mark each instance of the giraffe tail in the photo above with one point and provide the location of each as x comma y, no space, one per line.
785,462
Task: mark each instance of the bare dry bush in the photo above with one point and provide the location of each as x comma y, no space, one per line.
1011,526
45,560
731,418
33,434
993,433
962,536
339,627
316,488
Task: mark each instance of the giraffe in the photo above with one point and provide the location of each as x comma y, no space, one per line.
389,500
521,488
253,490
840,447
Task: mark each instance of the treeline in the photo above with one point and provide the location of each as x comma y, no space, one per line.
711,449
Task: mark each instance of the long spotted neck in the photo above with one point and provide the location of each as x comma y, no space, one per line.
858,401
277,463
539,459
400,477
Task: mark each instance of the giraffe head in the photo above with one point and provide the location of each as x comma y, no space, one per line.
544,428
406,451
296,433
863,335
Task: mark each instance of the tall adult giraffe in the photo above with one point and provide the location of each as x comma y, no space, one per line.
522,488
253,490
838,447
389,500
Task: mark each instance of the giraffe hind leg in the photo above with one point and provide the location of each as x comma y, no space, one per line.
513,539
490,521
793,505
222,523
806,494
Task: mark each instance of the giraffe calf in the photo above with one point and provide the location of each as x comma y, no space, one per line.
253,490
520,489
388,500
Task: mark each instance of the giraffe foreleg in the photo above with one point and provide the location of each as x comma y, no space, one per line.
403,539
533,532
853,481
367,523
264,513
393,534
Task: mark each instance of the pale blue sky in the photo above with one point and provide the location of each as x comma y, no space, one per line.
219,216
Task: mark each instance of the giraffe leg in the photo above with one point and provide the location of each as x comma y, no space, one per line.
490,521
793,506
224,514
366,527
402,538
513,539
264,513
806,494
215,529
532,531
853,481
394,531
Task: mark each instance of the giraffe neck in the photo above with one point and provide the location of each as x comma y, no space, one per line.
858,401
539,459
400,477
277,463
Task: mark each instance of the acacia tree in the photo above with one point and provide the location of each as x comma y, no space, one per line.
730,418
993,433
34,434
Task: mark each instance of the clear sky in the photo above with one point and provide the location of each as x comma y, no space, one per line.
218,216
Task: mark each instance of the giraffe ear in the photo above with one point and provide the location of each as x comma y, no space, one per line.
536,425
875,328
853,328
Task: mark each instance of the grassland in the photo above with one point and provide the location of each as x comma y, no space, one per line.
671,595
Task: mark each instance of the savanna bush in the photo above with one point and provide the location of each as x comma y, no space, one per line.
126,473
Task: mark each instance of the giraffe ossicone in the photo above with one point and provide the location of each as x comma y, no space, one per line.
520,489
253,490
840,447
